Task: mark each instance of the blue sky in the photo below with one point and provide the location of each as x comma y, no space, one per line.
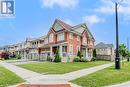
33,18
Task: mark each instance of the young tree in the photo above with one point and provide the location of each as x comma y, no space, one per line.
57,57
94,53
79,54
123,50
128,59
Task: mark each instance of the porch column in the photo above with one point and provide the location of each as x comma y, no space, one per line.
60,51
86,52
50,50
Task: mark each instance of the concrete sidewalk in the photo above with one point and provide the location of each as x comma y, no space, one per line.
23,73
79,73
125,84
36,78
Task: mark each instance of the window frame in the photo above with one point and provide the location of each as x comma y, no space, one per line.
51,38
71,35
60,37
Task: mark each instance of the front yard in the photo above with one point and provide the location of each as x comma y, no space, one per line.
60,68
8,78
105,77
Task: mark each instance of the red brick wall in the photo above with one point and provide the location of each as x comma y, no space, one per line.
74,42
65,36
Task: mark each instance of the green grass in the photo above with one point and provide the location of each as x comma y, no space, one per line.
108,76
59,68
8,78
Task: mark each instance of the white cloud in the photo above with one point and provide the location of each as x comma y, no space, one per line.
108,7
60,3
92,19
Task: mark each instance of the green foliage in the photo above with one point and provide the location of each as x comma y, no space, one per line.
77,59
60,68
129,54
79,54
2,59
94,53
105,77
57,57
94,59
83,60
48,57
123,50
18,57
8,78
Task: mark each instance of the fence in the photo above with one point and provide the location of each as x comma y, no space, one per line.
106,57
35,56
43,57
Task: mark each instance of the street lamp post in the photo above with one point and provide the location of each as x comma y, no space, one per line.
117,59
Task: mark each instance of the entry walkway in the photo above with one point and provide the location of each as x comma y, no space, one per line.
36,78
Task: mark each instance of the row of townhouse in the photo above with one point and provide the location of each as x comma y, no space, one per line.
62,36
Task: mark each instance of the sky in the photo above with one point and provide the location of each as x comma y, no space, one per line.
33,18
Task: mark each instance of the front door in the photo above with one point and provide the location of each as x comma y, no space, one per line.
54,49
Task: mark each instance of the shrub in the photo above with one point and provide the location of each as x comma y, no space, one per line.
94,59
79,54
18,56
83,60
48,57
57,57
76,60
1,58
94,53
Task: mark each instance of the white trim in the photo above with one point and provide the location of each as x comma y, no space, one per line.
70,49
71,35
78,38
51,38
60,37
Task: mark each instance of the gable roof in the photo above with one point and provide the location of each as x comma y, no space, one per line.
65,25
35,39
103,45
78,29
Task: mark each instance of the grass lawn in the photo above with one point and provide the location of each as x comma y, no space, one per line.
105,77
60,68
8,78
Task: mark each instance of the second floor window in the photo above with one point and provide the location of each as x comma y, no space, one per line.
78,38
51,37
60,37
71,49
71,35
91,42
85,40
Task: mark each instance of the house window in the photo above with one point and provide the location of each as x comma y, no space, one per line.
91,42
60,36
71,35
71,49
78,38
84,40
51,37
